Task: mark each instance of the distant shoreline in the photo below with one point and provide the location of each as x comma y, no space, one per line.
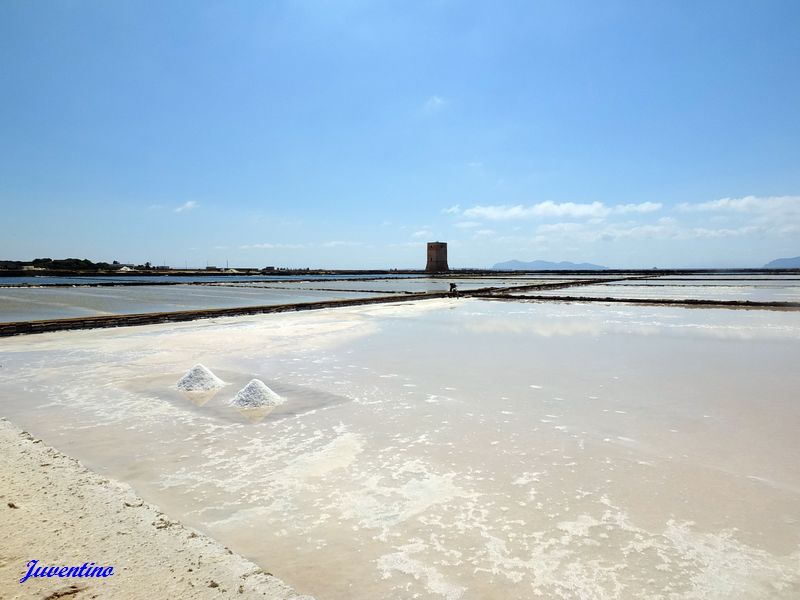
386,272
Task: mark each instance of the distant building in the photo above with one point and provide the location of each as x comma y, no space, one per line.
437,257
212,268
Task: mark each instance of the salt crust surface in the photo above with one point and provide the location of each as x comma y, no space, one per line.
256,394
199,379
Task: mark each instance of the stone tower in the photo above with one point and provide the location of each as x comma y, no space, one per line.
437,257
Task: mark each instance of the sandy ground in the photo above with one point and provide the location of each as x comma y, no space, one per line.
57,511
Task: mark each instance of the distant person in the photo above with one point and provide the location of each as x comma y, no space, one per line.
453,290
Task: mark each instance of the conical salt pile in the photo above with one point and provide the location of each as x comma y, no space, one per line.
256,395
199,379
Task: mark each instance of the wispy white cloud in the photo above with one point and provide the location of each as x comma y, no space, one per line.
647,231
269,245
406,245
666,228
433,104
547,208
754,204
186,206
703,232
340,243
764,215
745,228
643,207
567,227
422,233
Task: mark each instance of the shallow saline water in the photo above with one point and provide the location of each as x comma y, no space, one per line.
774,290
28,304
22,303
454,448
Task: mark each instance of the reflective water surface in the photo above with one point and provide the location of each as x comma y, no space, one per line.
34,303
764,289
455,448
27,304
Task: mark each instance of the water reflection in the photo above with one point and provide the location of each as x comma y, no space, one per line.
255,415
706,323
198,398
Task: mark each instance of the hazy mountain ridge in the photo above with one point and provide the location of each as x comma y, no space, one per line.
784,263
543,265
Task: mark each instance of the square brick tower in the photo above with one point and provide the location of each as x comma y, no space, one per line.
437,258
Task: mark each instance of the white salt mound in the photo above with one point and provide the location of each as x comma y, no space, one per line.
199,379
256,395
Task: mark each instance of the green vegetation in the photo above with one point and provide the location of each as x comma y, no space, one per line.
59,264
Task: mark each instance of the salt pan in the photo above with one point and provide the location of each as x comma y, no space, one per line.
256,395
199,379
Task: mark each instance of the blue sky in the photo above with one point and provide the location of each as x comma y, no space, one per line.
348,134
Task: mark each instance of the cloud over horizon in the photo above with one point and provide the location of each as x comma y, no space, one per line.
781,204
595,229
548,208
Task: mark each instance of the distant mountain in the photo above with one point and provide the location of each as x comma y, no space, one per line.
784,263
543,265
